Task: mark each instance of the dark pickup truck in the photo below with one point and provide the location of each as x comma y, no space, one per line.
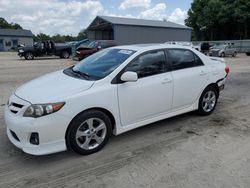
46,48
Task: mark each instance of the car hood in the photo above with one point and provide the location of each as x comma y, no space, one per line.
216,49
53,87
26,48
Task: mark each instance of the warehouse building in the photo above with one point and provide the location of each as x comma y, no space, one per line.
11,38
134,31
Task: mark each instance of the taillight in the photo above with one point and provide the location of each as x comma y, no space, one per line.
227,70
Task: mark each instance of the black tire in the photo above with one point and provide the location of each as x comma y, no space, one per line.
29,56
78,123
65,54
223,54
202,105
234,54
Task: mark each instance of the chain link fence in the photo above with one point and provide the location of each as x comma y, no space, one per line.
242,46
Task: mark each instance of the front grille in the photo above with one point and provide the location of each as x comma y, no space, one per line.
215,53
13,111
15,107
14,135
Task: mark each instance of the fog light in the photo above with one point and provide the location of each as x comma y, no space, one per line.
34,139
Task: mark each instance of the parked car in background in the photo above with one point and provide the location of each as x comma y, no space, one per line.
197,47
84,51
182,43
113,91
222,50
75,44
45,48
205,47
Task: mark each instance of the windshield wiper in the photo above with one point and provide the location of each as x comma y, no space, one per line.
79,73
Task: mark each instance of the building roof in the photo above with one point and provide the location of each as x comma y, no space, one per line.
141,22
16,32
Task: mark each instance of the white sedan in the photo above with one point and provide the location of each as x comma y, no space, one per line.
113,91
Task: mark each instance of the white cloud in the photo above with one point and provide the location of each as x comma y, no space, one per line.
135,4
178,16
156,13
51,16
69,17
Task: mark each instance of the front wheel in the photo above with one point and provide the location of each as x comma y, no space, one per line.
208,101
223,54
234,54
89,132
29,56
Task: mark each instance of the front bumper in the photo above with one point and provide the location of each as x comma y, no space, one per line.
51,130
21,54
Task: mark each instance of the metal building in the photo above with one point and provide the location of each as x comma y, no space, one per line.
11,38
132,31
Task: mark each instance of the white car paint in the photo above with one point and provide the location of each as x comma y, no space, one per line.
132,104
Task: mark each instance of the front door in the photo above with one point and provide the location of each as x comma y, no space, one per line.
151,94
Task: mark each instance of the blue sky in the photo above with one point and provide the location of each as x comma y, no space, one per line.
70,16
171,5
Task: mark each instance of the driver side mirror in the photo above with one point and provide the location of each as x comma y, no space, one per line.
129,76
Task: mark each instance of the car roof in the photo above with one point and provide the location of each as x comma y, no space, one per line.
154,46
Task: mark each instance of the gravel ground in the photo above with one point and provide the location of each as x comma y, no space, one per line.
184,151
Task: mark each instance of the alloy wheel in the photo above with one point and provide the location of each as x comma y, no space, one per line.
209,101
91,133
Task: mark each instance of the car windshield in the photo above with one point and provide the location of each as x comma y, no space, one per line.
219,46
93,44
101,64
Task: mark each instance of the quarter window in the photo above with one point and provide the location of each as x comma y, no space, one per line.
182,59
148,64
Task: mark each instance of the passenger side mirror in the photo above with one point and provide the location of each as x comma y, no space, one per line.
129,76
99,47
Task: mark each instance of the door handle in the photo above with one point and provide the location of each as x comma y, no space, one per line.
166,80
203,73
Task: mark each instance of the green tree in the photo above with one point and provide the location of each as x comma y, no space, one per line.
5,25
219,19
82,35
41,37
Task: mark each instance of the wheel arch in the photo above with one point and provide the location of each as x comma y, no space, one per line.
215,86
107,112
66,49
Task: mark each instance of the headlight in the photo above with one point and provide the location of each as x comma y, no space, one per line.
21,51
38,110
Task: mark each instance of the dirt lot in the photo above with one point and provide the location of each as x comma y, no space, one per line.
185,151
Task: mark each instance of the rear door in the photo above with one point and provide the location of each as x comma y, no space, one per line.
190,77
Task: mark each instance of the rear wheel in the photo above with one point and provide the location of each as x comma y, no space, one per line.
89,132
29,56
65,54
208,101
223,54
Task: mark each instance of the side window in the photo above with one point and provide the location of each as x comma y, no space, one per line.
182,59
198,61
103,44
148,64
